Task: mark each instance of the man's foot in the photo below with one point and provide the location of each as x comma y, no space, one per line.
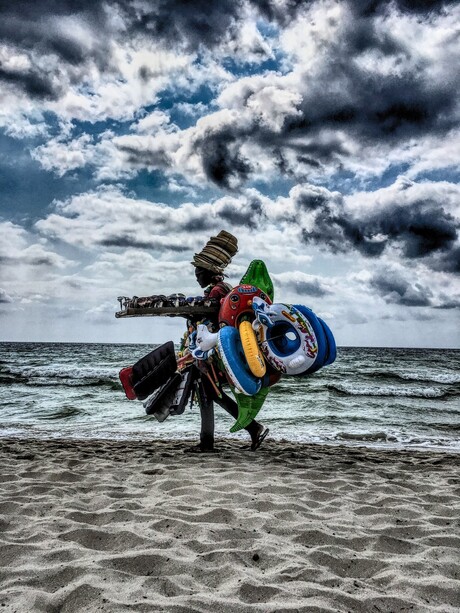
200,449
259,438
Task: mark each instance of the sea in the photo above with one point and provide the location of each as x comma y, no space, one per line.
373,397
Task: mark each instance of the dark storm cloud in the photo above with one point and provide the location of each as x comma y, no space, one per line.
125,241
190,24
397,290
305,288
26,23
280,12
249,213
421,228
449,303
4,297
312,200
370,7
151,159
370,107
221,159
341,97
196,223
35,83
345,96
36,29
448,262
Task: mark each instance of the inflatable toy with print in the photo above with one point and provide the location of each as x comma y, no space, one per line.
259,341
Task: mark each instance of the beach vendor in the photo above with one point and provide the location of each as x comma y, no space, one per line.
209,272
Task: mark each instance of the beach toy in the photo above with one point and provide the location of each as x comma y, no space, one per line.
153,370
205,339
251,349
161,400
257,342
331,353
326,344
236,367
172,397
257,274
238,303
236,310
287,339
248,408
126,378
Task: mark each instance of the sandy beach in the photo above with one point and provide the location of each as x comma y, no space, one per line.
105,526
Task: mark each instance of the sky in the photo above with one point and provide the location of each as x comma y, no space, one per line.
323,134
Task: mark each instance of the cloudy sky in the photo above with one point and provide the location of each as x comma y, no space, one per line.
324,134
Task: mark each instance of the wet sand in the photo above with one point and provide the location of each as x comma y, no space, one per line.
149,526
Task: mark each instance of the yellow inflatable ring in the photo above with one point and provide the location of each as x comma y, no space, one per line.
251,350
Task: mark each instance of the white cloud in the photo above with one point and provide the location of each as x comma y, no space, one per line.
249,45
28,268
406,193
62,156
151,122
315,114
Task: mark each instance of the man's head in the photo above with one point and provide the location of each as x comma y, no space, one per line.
204,276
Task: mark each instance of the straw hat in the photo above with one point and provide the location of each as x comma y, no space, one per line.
217,253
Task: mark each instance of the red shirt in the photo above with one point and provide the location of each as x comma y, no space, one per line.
219,291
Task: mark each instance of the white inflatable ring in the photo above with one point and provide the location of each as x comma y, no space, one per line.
289,344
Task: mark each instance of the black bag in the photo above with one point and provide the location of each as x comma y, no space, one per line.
153,370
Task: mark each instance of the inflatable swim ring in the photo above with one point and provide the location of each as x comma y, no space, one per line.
327,350
251,349
286,338
236,367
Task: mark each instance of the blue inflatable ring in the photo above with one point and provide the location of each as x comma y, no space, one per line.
326,342
231,352
332,347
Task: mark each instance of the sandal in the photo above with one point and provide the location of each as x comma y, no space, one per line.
260,439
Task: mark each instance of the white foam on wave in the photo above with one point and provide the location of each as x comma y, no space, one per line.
353,389
64,371
431,376
367,436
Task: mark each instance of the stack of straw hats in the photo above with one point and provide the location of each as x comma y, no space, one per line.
217,253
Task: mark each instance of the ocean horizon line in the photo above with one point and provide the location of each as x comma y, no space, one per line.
62,342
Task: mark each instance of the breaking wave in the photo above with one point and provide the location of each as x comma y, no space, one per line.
422,376
349,389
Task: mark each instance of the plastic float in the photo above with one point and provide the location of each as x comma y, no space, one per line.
286,337
257,342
